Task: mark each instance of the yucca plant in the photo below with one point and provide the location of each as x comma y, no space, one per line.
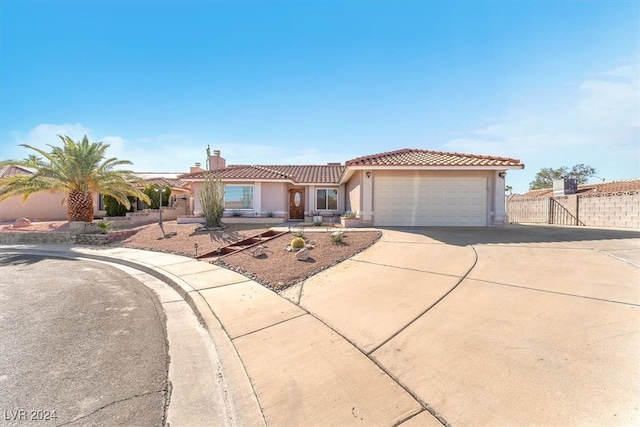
79,169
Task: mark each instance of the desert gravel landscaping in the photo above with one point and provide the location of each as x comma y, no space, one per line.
277,269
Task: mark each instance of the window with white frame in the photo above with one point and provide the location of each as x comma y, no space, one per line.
327,199
238,196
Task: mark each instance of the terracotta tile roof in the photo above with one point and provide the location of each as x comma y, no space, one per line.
418,157
168,182
599,188
11,170
316,174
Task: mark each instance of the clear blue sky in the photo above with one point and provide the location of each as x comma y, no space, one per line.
309,82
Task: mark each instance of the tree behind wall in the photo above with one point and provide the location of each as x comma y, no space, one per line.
544,178
150,191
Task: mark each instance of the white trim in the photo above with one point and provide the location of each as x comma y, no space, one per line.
253,197
315,199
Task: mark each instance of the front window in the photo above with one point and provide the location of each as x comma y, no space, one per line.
238,197
327,199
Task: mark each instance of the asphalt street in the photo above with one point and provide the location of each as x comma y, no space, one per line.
81,343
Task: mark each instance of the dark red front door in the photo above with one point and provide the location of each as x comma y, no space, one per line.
296,203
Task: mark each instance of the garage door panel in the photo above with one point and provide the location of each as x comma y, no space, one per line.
430,201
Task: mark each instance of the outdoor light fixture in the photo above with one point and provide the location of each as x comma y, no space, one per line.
160,190
502,174
368,174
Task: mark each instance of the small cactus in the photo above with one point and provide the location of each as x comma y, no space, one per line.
297,243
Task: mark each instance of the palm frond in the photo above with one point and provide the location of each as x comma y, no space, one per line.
75,166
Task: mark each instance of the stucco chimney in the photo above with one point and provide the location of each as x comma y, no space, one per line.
216,161
196,168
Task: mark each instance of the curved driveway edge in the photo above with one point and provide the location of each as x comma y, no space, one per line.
301,372
243,408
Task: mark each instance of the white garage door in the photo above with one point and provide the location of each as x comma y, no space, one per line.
430,201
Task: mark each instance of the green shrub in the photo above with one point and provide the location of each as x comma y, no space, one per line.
150,191
105,227
297,243
337,237
114,208
212,200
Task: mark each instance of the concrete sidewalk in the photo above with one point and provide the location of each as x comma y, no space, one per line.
281,364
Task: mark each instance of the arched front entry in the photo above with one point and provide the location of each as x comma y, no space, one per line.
296,203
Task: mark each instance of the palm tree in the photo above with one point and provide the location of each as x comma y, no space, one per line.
79,169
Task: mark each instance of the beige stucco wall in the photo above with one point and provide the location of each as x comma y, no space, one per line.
353,190
274,197
43,206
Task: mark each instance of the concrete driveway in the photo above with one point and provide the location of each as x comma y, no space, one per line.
521,325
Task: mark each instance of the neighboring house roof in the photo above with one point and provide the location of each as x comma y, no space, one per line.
167,182
151,175
307,174
12,170
418,157
599,188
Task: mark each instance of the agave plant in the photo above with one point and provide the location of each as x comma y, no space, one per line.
78,169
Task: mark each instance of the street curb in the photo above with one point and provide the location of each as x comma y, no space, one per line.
246,409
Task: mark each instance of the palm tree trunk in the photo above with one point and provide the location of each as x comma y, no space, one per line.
80,206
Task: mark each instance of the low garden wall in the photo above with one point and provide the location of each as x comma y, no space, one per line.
84,233
148,216
34,237
103,239
197,219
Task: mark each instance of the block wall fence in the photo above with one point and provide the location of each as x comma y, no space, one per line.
619,210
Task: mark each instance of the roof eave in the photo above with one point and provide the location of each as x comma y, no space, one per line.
443,167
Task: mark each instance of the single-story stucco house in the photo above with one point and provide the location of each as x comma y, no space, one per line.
51,205
399,188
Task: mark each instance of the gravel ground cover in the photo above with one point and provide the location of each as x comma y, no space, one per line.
277,269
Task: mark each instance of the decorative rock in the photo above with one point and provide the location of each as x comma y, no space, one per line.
309,246
258,251
21,222
288,248
303,254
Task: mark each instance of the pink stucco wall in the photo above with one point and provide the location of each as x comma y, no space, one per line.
43,206
354,192
274,197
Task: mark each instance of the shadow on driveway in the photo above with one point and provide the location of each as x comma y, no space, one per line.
513,234
22,259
